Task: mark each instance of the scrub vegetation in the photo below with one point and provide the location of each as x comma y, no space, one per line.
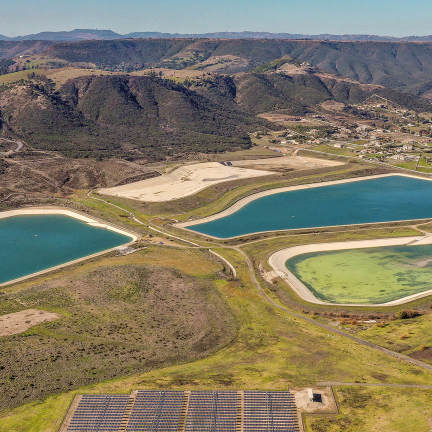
116,318
412,336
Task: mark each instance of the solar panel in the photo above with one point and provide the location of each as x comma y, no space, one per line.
212,411
171,411
156,411
99,413
270,412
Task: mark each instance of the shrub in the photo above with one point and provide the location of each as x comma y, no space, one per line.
407,314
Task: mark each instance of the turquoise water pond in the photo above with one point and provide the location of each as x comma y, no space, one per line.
29,244
383,199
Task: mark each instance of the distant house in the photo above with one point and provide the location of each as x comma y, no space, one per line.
400,157
408,147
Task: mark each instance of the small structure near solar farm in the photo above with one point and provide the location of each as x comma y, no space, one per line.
314,397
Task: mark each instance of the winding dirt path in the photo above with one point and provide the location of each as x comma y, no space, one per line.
340,384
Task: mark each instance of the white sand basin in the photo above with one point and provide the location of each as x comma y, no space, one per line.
191,179
278,259
19,322
182,182
290,162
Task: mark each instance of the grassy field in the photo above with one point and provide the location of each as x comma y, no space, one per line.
271,351
334,150
413,166
377,410
409,336
17,76
373,275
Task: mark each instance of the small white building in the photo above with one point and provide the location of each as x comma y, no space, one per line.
408,147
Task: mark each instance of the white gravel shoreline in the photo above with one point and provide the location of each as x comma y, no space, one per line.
73,214
278,259
245,201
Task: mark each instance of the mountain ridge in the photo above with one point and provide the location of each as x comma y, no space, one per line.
97,34
404,66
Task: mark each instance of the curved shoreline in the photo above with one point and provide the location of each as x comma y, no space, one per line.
278,260
247,200
76,215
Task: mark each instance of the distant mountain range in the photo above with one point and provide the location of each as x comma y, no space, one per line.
92,34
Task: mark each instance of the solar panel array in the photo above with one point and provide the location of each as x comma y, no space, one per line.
99,413
270,412
212,411
156,411
195,411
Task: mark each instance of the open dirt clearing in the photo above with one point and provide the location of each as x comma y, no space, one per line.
304,404
287,162
287,120
182,182
19,322
191,179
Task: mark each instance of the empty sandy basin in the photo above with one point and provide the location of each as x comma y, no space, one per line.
182,182
191,179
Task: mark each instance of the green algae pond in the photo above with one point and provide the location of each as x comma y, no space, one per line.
371,275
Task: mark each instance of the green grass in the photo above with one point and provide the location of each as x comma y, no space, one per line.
376,410
272,351
333,150
410,336
373,275
412,165
17,76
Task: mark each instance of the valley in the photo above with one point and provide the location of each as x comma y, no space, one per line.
213,160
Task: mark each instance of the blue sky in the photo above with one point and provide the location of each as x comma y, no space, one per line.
383,17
